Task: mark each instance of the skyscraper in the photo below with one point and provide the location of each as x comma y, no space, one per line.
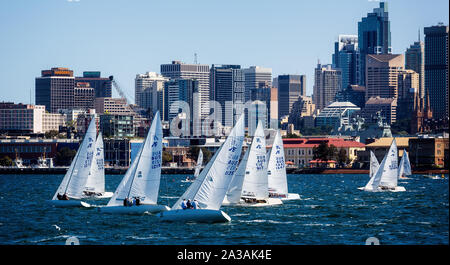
415,60
346,57
382,75
436,69
258,82
227,87
149,91
55,89
290,88
374,36
327,82
200,72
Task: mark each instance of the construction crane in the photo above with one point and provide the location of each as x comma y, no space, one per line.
119,90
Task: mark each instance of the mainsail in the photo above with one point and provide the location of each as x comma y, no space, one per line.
142,178
276,167
235,189
75,179
96,180
374,165
405,165
199,163
390,168
256,182
210,187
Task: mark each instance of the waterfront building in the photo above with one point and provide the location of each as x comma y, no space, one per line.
55,89
290,88
436,69
21,118
428,151
382,75
102,85
53,121
117,126
300,151
327,83
374,37
346,58
117,152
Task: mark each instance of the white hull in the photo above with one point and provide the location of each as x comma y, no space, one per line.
187,181
269,202
104,195
197,215
141,209
68,203
396,189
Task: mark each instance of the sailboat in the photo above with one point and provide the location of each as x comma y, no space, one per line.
198,166
276,171
95,185
75,179
210,187
374,165
255,186
142,179
386,176
404,167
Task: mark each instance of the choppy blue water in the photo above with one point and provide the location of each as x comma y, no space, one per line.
331,211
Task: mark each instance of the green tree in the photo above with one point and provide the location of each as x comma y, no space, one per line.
51,134
6,161
64,156
324,152
166,157
342,158
193,154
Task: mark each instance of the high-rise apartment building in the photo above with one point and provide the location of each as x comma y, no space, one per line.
227,87
290,88
327,82
198,72
436,69
84,96
382,74
346,58
176,91
408,92
374,36
149,91
415,60
55,89
102,85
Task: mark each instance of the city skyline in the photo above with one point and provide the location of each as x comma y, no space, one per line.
124,40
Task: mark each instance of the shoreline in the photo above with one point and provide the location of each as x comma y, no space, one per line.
187,171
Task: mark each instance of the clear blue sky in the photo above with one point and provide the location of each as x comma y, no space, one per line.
126,37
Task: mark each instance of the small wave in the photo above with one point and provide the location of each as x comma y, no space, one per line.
315,224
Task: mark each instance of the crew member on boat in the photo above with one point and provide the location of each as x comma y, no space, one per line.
183,204
189,204
195,204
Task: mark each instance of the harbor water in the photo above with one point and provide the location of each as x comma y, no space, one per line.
331,211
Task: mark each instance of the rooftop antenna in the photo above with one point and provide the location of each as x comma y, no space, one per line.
419,34
195,58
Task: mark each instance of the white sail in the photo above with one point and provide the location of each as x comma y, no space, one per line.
374,165
143,177
389,176
374,181
75,179
276,168
210,187
256,182
96,180
199,163
235,189
405,165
